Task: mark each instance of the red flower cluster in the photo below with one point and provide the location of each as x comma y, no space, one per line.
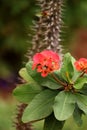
46,61
81,65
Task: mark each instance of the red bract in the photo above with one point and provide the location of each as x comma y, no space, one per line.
46,62
81,65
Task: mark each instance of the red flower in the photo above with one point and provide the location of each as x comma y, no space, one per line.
46,62
81,65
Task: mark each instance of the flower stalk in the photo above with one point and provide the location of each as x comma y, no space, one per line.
59,81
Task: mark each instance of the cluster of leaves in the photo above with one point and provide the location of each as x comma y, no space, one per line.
49,99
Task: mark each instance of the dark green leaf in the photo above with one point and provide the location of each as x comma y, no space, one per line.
77,116
40,107
84,89
81,97
64,105
83,107
82,102
26,92
80,82
51,123
67,69
34,74
50,83
76,75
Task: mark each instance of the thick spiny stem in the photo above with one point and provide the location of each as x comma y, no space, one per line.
48,28
18,124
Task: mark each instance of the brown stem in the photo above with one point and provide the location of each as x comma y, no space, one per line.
82,74
17,123
59,81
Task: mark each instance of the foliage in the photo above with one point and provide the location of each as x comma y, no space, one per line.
63,98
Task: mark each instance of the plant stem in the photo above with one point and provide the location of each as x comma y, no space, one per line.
59,81
17,123
82,74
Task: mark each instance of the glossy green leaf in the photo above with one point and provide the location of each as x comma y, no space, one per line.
33,73
64,105
51,123
82,102
83,107
84,89
40,107
80,82
26,92
67,69
50,83
75,75
24,74
81,98
77,115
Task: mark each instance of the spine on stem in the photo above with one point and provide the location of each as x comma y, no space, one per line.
48,28
17,123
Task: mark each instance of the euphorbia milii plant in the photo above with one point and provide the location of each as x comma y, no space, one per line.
55,91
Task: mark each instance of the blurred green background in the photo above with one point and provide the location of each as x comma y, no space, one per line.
16,18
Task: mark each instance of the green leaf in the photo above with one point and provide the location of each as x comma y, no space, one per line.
51,123
40,107
50,83
81,98
26,92
80,82
83,107
84,89
33,73
64,105
82,102
24,74
77,116
76,75
46,82
67,69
